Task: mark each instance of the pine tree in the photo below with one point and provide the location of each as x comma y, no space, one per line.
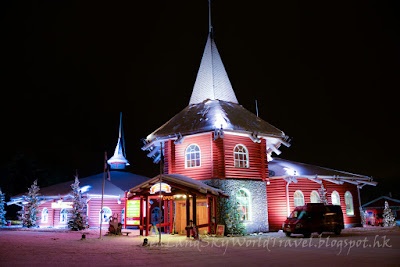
29,213
78,219
232,218
322,195
2,210
388,217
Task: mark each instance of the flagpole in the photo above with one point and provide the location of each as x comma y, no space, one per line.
160,206
102,192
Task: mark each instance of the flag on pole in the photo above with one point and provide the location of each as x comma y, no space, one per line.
106,167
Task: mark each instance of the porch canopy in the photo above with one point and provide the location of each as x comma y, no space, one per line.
186,194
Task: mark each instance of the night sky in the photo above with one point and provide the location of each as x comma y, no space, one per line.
324,72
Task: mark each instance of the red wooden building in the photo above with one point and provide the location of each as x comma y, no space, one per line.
56,200
217,141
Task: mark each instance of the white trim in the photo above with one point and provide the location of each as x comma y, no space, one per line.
246,154
249,219
338,197
316,195
44,216
185,154
351,204
100,217
66,217
302,198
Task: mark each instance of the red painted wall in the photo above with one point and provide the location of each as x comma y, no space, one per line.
94,210
217,159
257,167
175,159
276,196
277,209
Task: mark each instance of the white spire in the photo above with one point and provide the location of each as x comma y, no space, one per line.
212,81
118,160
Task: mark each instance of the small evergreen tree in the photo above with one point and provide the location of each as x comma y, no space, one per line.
2,210
363,217
29,213
322,195
78,219
232,217
388,217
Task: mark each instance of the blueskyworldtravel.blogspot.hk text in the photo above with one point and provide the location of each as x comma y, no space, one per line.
344,246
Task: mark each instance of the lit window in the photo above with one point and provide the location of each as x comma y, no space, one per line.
314,197
298,198
241,156
192,156
243,204
123,216
335,198
348,199
105,217
63,216
45,215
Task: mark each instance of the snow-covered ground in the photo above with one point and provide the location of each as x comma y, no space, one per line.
357,246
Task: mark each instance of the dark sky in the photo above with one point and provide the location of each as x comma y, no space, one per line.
324,72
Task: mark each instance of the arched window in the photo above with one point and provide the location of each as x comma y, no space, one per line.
123,216
241,156
298,198
106,214
243,204
192,156
63,216
45,215
335,198
314,197
348,199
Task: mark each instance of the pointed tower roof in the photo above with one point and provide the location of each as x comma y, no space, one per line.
213,106
212,81
118,160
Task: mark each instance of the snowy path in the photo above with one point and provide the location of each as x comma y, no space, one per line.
357,246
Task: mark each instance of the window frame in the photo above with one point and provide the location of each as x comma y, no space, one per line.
317,195
66,216
296,199
246,154
106,220
247,204
191,159
45,215
337,196
349,202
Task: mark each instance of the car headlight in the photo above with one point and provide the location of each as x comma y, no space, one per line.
299,225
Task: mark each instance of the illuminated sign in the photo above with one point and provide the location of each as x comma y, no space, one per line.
164,188
61,205
133,212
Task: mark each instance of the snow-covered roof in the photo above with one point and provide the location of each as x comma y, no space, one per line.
180,180
120,182
282,168
215,114
212,81
118,160
118,156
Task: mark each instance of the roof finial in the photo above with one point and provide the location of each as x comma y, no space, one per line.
120,124
210,28
118,160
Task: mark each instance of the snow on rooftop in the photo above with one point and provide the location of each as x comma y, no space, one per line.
215,114
212,81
